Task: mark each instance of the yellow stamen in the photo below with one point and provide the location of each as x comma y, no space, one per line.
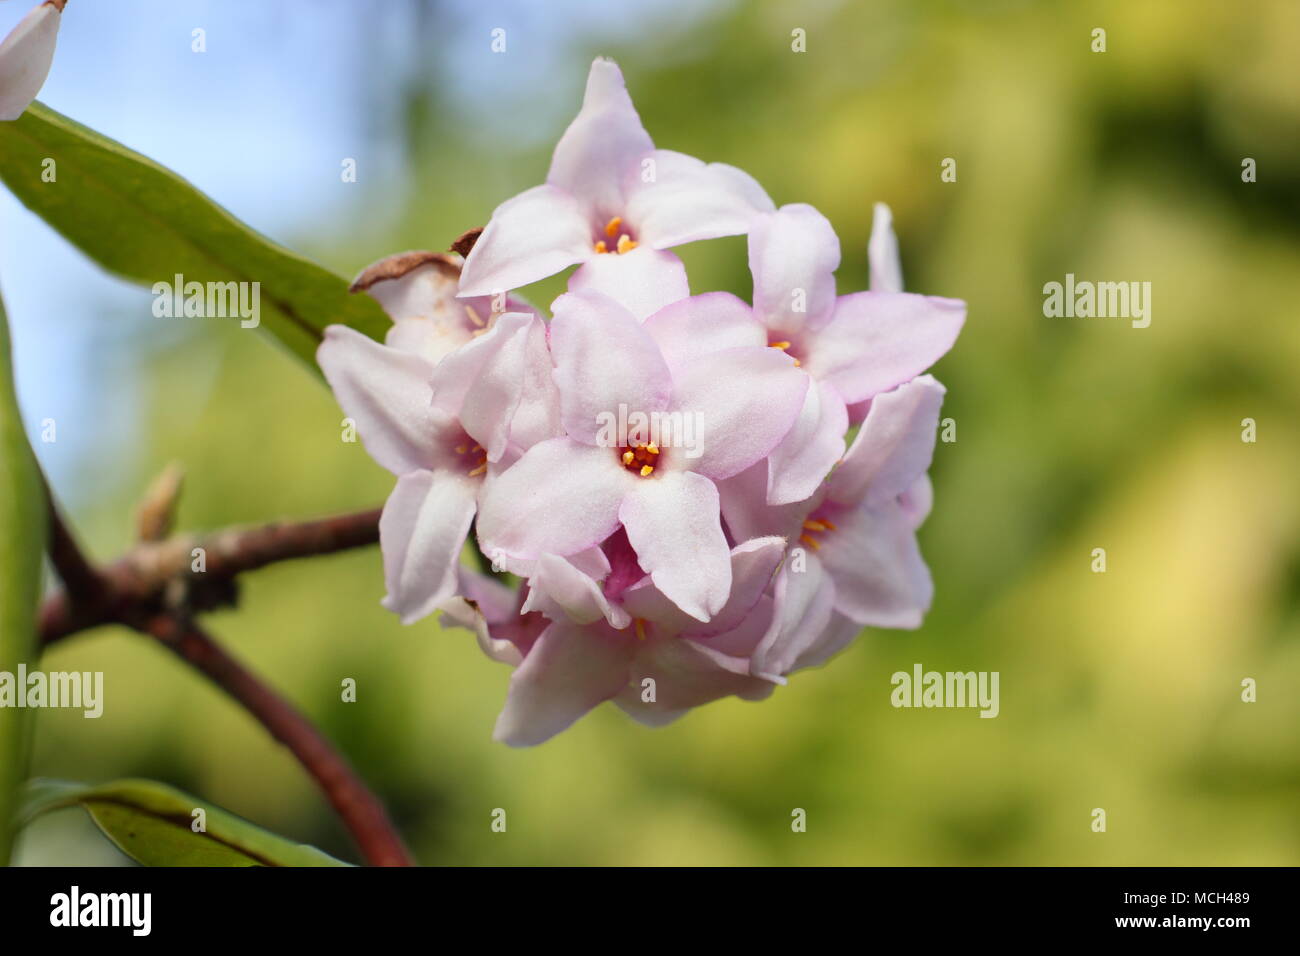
652,448
647,471
461,449
779,345
628,457
611,227
474,316
625,244
830,525
815,526
479,470
806,539
639,625
601,247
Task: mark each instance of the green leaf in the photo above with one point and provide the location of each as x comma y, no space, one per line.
146,224
154,824
22,542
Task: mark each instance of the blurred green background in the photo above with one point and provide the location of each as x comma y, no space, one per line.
1118,690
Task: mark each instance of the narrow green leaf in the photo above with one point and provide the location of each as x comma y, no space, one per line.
144,223
154,824
22,542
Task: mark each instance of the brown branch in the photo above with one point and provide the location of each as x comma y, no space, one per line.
355,804
146,579
155,588
78,575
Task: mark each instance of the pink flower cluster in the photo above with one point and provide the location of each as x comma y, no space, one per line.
665,474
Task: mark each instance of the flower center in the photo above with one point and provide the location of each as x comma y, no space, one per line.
624,242
814,527
784,346
472,456
638,458
481,325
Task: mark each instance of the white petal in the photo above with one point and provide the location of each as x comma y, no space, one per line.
25,58
642,281
567,672
689,200
422,529
673,523
530,236
882,252
387,393
603,145
894,446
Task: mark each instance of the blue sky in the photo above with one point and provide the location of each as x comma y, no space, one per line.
259,122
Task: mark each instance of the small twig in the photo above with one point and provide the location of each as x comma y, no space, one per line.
135,586
136,591
355,804
83,583
157,514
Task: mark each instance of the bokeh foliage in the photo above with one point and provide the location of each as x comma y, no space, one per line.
1119,690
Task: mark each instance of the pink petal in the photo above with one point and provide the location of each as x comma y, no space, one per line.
560,497
560,591
498,601
531,236
603,143
744,400
484,604
741,640
642,281
422,529
917,501
418,291
686,674
537,416
744,504
604,360
485,382
688,200
793,255
836,636
672,522
880,577
567,672
752,565
877,340
802,604
703,324
882,252
387,393
893,447
803,459
25,58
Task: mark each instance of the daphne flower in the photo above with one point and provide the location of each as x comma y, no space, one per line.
612,201
440,434
860,558
571,493
25,57
620,638
419,291
886,273
853,346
